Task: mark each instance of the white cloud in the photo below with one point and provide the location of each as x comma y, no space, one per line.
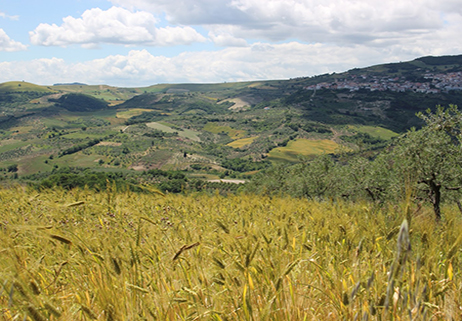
5,16
260,39
255,62
7,44
114,26
225,38
187,12
332,21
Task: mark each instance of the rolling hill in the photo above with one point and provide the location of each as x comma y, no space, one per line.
199,127
21,86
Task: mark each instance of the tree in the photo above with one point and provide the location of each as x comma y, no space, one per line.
12,168
317,178
372,179
314,179
430,159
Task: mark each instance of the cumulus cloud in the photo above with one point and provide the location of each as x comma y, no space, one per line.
114,26
260,39
254,62
338,21
187,12
225,38
7,44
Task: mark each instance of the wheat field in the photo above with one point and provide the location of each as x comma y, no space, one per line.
119,255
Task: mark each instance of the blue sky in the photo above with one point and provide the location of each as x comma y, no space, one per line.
131,43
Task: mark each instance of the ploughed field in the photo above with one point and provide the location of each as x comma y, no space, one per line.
119,255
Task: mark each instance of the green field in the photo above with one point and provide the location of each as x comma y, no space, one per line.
162,127
21,86
88,135
78,159
11,144
104,113
165,127
56,123
35,164
242,142
126,114
375,131
303,147
105,92
231,132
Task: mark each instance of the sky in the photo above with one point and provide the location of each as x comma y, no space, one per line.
137,43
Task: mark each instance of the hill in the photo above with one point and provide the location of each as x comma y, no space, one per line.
126,189
79,102
21,86
198,128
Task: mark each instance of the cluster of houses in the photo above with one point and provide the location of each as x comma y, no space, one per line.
431,84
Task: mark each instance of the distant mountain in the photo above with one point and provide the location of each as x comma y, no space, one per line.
70,84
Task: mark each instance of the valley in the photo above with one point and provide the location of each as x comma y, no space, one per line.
197,128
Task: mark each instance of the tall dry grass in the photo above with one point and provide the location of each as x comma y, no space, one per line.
118,255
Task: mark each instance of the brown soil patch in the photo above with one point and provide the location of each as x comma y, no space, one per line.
108,144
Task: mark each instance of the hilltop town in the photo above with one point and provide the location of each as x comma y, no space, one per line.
429,84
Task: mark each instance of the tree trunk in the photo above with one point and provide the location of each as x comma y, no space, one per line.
459,205
435,198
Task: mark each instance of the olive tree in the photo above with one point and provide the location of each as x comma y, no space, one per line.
370,179
430,159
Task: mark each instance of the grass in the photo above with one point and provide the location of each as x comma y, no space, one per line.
202,87
165,127
78,159
304,147
231,132
66,119
126,114
56,123
7,145
158,158
34,165
162,127
80,134
117,255
240,102
22,86
242,142
375,131
191,134
104,113
107,93
22,129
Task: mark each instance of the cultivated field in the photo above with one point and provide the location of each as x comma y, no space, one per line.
233,133
118,255
165,127
242,142
375,131
303,147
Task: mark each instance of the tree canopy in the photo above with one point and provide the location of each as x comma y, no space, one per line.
425,163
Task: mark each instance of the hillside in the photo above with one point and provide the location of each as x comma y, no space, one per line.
300,199
200,128
21,86
76,102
